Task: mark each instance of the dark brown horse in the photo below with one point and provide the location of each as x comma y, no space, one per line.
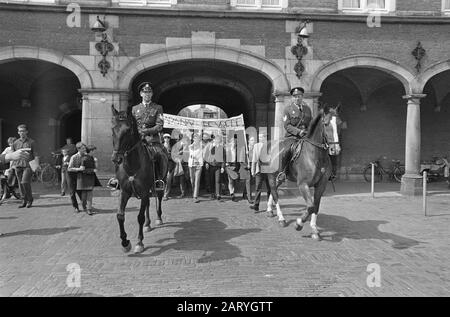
311,166
135,173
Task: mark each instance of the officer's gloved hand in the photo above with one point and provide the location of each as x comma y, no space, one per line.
302,133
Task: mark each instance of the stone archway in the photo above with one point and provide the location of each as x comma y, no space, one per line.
10,53
204,52
430,72
367,61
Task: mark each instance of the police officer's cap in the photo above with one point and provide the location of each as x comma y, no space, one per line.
297,90
166,135
145,87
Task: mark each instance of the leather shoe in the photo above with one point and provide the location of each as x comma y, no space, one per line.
24,204
30,203
255,208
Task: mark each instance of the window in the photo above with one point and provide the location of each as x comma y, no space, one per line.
260,4
446,6
359,6
158,3
30,1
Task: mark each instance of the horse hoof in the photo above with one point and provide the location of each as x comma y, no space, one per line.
298,227
127,248
269,214
139,248
158,222
315,236
147,229
282,223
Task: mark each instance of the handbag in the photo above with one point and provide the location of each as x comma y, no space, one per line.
232,173
178,169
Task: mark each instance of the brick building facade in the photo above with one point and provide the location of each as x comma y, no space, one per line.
237,55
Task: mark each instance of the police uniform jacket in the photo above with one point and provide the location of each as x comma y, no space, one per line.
296,118
150,121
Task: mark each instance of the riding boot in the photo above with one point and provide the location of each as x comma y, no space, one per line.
159,182
285,157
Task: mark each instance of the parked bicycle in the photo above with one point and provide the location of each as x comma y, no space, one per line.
395,172
437,169
46,173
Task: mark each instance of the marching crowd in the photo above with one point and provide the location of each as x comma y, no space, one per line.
205,161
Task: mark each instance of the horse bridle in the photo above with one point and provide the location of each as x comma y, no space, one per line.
325,145
125,153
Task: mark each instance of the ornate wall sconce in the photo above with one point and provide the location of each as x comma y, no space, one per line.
300,50
104,46
419,52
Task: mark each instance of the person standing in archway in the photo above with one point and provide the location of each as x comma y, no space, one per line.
150,121
22,167
296,118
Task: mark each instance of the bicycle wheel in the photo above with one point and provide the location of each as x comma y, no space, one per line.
48,175
398,173
368,174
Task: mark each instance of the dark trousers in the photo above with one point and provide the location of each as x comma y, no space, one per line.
169,181
24,178
72,182
214,178
248,188
270,181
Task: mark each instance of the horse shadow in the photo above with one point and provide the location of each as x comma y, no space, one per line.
206,234
338,228
39,232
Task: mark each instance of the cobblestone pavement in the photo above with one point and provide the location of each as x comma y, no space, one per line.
224,249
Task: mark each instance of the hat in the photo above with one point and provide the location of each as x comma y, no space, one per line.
297,90
166,135
146,86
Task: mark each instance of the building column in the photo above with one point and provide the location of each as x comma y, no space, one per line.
96,122
412,181
312,100
282,99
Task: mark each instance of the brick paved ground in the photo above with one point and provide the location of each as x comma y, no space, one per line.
223,249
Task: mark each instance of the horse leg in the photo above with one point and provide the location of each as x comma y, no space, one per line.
318,192
139,248
126,245
272,183
147,227
304,190
160,195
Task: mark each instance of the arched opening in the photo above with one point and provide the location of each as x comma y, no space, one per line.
234,88
36,93
435,117
374,113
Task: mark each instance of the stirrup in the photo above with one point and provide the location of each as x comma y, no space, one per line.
159,185
113,183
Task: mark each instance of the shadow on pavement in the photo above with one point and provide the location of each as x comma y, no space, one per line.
207,234
39,232
7,218
341,227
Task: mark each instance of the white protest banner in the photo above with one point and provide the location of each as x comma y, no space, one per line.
177,122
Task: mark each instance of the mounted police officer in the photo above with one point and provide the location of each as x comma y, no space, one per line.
296,118
150,121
